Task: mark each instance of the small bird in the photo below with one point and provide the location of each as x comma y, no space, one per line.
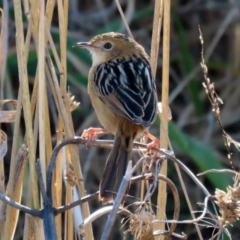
123,94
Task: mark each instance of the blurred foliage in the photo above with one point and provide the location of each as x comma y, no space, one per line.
187,65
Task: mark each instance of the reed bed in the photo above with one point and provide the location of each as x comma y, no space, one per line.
49,175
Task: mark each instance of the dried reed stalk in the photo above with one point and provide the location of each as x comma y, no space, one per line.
162,197
24,100
38,29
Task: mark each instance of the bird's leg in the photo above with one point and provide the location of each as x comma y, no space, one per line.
92,133
155,142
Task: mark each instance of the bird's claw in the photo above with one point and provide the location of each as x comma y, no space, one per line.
154,144
89,134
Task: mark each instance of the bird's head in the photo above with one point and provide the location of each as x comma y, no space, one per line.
109,46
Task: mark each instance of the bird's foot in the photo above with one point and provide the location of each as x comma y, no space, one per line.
154,144
92,133
151,145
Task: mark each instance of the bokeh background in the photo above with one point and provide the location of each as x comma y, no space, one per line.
195,136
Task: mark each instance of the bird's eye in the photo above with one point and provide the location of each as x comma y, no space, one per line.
107,45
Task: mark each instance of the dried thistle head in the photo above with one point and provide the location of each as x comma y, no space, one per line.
72,103
141,223
229,203
70,175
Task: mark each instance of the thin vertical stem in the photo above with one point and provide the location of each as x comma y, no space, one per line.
161,202
157,25
23,76
42,88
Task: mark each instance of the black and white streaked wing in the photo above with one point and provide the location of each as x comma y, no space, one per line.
127,87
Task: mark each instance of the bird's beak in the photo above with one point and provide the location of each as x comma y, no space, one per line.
83,44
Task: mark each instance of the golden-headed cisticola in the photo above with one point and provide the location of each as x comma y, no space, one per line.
123,94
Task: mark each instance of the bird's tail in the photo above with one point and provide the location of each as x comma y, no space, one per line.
115,167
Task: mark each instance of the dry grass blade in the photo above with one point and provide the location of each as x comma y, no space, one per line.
3,58
53,48
157,26
13,166
57,186
3,45
42,89
69,227
49,11
68,128
124,18
25,101
161,201
26,98
62,110
17,181
32,223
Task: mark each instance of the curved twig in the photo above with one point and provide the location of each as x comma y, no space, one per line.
219,171
76,203
166,233
33,212
108,144
194,220
175,196
145,158
102,211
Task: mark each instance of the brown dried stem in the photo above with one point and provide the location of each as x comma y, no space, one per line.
215,101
